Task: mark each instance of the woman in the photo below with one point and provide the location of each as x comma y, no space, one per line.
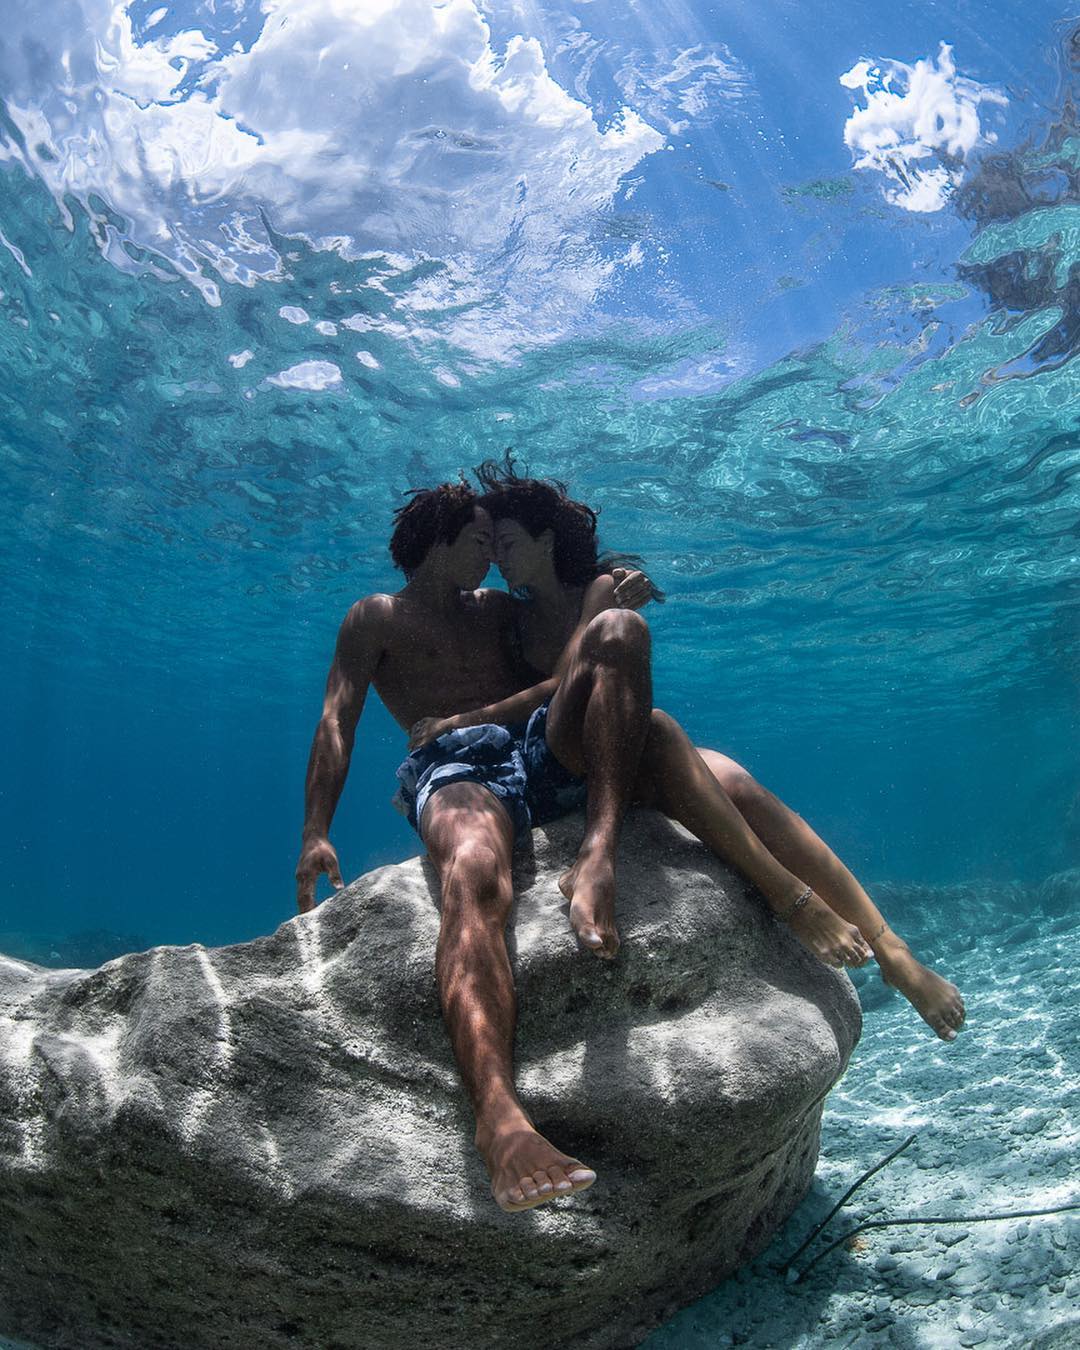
545,548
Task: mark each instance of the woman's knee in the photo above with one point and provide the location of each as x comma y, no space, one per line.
615,631
739,784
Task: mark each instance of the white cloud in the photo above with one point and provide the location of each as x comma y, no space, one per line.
238,360
919,124
423,142
315,376
294,314
366,359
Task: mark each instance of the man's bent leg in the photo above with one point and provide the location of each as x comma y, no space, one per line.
596,727
469,837
790,839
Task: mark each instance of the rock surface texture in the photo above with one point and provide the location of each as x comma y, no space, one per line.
266,1145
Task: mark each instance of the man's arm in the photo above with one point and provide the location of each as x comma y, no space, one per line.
359,649
600,594
506,712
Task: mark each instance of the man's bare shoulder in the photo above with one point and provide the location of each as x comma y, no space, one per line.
373,611
369,624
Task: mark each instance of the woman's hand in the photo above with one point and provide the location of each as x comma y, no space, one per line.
429,728
633,590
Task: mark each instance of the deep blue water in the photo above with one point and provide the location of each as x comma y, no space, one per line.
841,423
842,430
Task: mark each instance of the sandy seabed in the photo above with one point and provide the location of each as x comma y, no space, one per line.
997,1118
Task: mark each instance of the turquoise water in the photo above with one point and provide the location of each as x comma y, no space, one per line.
792,297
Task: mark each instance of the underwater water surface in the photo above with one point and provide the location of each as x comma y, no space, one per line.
790,293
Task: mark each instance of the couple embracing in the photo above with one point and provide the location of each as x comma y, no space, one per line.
520,707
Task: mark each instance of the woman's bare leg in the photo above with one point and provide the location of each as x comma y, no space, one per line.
676,780
788,837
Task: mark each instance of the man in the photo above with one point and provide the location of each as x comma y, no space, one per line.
435,648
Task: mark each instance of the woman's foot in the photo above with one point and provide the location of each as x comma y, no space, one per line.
526,1170
590,887
825,934
936,1000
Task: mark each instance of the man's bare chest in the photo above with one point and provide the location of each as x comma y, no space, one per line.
449,647
435,667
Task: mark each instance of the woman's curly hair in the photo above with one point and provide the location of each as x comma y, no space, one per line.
541,504
431,516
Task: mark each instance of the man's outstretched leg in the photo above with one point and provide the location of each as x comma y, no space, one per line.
469,837
596,727
791,840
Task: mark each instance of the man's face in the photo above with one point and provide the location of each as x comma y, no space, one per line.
469,556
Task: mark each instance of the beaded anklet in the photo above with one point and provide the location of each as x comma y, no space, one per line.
798,903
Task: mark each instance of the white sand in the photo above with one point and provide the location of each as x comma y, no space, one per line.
998,1120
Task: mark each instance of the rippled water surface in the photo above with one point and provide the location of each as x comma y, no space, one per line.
791,293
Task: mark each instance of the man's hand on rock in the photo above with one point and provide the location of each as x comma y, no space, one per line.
316,857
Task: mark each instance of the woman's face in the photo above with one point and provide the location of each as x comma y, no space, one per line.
519,557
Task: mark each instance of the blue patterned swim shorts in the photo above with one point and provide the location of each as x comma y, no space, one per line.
513,763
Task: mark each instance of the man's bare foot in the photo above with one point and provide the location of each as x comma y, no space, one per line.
526,1170
590,887
935,999
826,935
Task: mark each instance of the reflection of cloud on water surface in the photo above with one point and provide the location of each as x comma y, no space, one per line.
918,125
189,152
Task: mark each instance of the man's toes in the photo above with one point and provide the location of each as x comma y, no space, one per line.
560,1181
542,1183
511,1199
581,1178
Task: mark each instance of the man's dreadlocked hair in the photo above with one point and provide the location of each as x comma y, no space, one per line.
541,504
432,516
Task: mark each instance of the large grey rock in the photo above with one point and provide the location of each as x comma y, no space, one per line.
266,1145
